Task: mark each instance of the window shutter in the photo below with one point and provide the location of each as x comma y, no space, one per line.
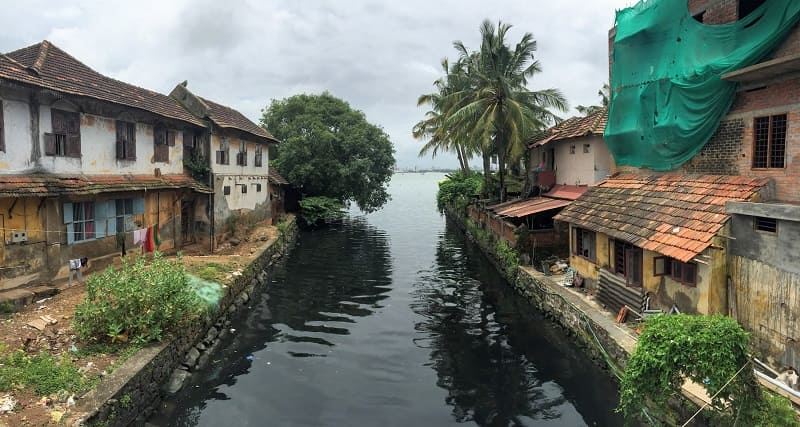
121,128
100,216
73,145
68,223
131,140
138,206
74,123
171,138
2,130
49,144
219,157
59,122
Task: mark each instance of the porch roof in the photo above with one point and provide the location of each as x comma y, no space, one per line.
47,185
674,215
521,208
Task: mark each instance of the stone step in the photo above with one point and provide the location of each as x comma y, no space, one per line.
17,297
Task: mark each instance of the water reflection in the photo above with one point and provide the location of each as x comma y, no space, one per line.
500,363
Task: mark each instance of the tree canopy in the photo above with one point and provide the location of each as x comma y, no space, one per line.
329,149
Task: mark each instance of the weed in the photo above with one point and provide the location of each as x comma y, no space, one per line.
42,373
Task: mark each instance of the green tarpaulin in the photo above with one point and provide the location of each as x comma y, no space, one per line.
667,96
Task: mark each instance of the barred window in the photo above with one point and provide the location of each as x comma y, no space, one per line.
769,142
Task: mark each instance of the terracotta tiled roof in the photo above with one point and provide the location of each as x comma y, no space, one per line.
53,185
593,124
674,215
45,65
568,192
276,178
226,117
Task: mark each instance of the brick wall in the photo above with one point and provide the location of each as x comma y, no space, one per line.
720,155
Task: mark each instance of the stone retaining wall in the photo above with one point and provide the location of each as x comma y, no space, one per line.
130,394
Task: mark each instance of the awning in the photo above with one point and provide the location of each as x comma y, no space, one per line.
529,207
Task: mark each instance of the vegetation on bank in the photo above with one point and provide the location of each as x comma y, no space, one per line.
708,350
139,302
482,106
328,149
457,189
319,210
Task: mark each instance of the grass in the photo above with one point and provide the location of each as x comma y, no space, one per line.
41,373
212,271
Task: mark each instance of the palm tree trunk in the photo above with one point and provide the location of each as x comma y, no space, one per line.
487,173
501,166
464,157
460,159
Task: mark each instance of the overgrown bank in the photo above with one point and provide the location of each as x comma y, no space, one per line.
131,393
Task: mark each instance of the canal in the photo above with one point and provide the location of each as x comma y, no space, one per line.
393,319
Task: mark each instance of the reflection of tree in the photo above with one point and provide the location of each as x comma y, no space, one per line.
499,362
332,277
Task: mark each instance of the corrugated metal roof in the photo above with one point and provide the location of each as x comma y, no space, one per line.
521,208
568,192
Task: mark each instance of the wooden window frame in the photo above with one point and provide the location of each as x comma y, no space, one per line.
65,138
258,161
126,140
163,138
676,270
223,154
770,143
241,156
633,277
579,250
758,229
80,219
2,129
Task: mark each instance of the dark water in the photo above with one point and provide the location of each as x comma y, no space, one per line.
393,319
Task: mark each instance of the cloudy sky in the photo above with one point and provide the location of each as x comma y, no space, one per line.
378,55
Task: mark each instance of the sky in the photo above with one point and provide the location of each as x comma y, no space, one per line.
377,55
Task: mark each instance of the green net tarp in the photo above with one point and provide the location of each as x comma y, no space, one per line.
208,291
667,97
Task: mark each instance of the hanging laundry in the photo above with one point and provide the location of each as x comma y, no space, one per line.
139,236
149,243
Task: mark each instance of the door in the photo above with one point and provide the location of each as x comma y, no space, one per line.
187,222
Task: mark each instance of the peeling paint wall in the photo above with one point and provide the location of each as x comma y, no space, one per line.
255,201
23,260
17,129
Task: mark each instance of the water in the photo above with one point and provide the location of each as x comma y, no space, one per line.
393,319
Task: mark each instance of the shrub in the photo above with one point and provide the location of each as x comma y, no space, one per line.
457,188
141,301
508,257
318,210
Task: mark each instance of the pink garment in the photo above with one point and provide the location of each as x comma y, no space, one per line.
139,236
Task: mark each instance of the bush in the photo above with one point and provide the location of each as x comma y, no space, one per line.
457,189
42,373
508,257
318,210
139,302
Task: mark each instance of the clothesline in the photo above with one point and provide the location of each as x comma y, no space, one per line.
27,230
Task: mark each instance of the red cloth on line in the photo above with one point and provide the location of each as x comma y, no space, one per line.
149,243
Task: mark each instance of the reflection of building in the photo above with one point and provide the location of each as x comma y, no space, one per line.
716,231
82,158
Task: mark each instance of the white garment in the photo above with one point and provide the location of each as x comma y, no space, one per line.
75,264
139,236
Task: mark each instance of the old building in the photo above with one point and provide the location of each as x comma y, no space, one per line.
85,161
238,160
715,112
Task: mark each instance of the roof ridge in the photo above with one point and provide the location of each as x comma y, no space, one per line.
44,48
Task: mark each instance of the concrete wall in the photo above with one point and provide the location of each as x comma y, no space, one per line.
580,167
780,250
254,202
707,297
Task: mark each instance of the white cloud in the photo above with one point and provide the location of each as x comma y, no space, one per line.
379,56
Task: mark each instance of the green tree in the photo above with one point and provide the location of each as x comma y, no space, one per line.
497,108
604,94
329,149
442,135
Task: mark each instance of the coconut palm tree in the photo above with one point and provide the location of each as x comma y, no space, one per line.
497,108
435,125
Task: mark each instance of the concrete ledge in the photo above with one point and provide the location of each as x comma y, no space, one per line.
767,210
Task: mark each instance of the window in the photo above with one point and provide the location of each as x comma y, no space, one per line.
65,140
571,149
683,272
126,140
79,219
223,154
699,16
124,215
769,225
241,157
769,141
586,147
226,190
244,188
258,162
191,144
258,188
2,136
627,262
584,243
747,7
163,138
